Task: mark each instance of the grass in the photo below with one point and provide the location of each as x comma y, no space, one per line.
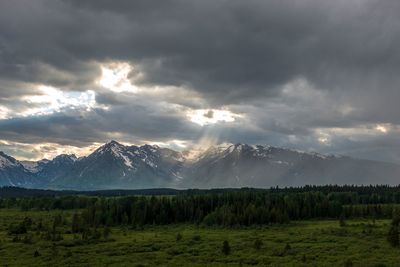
304,243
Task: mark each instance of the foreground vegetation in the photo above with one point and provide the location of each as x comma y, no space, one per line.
301,243
314,226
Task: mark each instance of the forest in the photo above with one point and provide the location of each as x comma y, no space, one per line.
228,208
66,221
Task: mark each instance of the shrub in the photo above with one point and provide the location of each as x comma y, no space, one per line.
36,254
68,254
258,244
196,238
27,239
17,229
20,228
178,237
348,263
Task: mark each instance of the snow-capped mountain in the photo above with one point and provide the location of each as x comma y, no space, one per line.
114,165
13,173
241,165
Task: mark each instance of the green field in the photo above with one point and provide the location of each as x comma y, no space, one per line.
301,243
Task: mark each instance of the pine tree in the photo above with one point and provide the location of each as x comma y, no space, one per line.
178,237
342,222
106,232
226,249
76,224
393,236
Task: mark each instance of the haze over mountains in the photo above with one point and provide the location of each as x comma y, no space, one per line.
114,165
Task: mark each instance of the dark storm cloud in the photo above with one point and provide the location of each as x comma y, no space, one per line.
247,56
227,50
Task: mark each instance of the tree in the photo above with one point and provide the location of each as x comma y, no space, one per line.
106,232
178,237
287,248
303,258
226,249
76,224
342,222
393,236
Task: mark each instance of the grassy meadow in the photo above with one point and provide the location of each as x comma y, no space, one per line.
298,243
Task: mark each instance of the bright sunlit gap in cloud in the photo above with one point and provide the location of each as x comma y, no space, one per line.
325,135
172,144
381,128
4,112
53,100
51,150
324,140
26,151
114,76
211,116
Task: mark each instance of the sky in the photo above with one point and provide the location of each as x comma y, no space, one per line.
303,74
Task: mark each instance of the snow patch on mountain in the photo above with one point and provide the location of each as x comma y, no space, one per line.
127,161
31,166
6,162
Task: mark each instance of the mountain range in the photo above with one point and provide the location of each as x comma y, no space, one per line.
116,166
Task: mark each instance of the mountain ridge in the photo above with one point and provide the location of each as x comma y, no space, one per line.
114,165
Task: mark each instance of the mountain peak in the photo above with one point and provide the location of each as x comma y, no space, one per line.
7,161
113,143
152,148
110,146
66,156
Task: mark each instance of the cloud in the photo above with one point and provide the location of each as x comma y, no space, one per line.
307,74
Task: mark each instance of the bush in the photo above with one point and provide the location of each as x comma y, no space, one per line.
27,239
258,244
27,222
196,238
106,232
348,263
96,235
68,254
36,254
20,228
178,237
17,229
174,251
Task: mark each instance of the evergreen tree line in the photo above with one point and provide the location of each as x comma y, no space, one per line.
227,209
224,207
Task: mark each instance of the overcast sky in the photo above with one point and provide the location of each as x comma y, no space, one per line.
313,75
